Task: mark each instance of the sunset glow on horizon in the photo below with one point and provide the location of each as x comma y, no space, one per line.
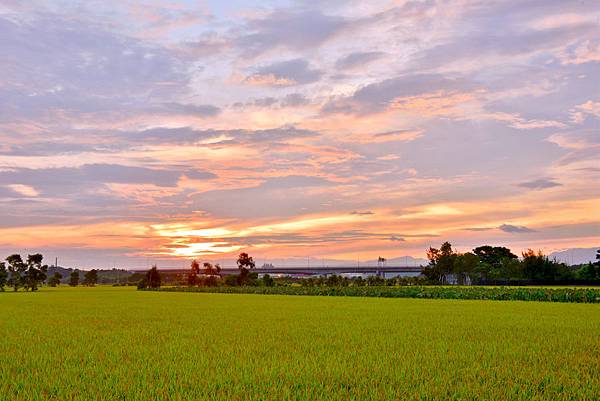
156,132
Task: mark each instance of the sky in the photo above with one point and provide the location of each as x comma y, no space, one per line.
138,132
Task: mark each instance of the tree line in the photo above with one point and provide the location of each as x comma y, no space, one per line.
209,275
30,273
499,265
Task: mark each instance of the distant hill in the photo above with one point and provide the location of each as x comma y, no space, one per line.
575,256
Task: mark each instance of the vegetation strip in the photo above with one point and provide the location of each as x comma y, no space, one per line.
577,295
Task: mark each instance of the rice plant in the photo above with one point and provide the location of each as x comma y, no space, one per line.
115,343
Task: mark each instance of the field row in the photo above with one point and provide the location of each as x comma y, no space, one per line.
578,295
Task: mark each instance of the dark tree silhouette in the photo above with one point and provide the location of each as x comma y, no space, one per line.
441,263
3,275
74,278
245,263
153,279
193,274
210,269
16,267
35,273
55,279
90,278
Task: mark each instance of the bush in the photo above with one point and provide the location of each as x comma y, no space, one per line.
231,280
580,295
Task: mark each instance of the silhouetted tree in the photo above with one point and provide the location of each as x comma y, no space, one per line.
497,263
211,270
493,255
230,280
589,272
153,278
90,278
537,267
74,278
55,279
441,263
464,265
193,274
35,272
245,263
3,275
16,267
268,281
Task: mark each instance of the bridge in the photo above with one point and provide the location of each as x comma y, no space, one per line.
382,271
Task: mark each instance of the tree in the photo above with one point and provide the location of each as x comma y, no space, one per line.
74,278
464,265
497,263
211,270
268,281
589,272
193,274
55,279
441,263
245,263
153,278
230,280
493,255
35,273
537,267
3,275
16,267
90,278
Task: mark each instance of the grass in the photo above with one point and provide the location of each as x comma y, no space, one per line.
115,343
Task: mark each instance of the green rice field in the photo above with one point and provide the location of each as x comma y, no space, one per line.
115,343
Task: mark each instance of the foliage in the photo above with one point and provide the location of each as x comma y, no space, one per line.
441,263
537,266
16,268
230,280
3,276
55,279
116,344
590,271
74,278
268,281
489,265
577,295
27,274
211,270
245,263
90,278
192,278
152,279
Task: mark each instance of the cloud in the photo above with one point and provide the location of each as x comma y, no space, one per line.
379,96
509,228
202,110
284,73
357,59
362,213
540,183
294,30
86,70
69,181
586,51
395,238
